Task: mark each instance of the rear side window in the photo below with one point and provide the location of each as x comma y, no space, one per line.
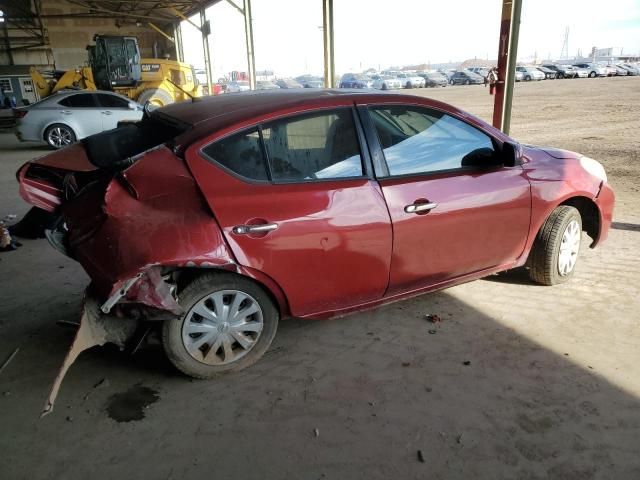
240,153
319,146
296,149
111,101
81,100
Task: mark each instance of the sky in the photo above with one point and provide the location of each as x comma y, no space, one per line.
288,33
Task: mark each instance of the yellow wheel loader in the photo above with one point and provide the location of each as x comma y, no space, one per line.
115,65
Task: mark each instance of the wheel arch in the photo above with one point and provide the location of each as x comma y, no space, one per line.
43,132
185,275
590,214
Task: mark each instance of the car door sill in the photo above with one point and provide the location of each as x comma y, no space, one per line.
412,293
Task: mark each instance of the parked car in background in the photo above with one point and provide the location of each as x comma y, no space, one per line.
233,222
548,73
71,115
238,86
288,83
630,69
592,69
310,81
562,71
408,80
434,79
355,80
466,77
482,71
619,71
530,73
266,85
385,82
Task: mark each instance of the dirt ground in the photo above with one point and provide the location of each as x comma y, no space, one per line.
552,389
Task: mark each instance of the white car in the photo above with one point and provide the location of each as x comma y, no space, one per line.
408,80
530,73
238,86
385,82
592,69
71,115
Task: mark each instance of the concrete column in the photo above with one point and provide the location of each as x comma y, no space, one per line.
205,30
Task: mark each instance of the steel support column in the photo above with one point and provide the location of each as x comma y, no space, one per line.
248,30
327,29
507,58
205,30
177,34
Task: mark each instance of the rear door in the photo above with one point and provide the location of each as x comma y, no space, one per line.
296,200
82,113
453,213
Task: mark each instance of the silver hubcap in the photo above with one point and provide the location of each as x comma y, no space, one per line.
569,248
222,327
59,137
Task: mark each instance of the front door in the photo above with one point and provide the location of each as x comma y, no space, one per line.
296,201
452,212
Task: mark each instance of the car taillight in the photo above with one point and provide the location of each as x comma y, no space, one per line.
19,113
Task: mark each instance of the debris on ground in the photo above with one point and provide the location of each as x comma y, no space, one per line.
69,418
421,456
466,362
6,362
433,332
406,364
433,318
459,439
7,243
316,432
101,384
8,218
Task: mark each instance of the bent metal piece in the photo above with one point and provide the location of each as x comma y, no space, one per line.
95,329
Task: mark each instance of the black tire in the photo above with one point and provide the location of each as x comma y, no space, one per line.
384,86
592,74
194,292
527,78
61,131
467,82
408,85
157,96
543,259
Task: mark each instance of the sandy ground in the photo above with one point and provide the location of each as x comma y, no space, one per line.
552,389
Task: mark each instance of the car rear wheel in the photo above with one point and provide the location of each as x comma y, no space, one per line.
592,74
229,324
527,78
59,135
555,250
467,82
384,86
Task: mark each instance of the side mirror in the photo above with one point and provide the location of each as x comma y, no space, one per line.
511,154
133,105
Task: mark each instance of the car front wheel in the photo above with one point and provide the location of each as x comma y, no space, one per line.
228,325
555,250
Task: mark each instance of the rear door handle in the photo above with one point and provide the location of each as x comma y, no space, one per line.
106,113
420,207
65,112
248,229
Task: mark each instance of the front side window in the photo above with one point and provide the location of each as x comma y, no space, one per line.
241,153
419,140
81,100
318,146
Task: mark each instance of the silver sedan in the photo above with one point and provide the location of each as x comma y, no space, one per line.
68,116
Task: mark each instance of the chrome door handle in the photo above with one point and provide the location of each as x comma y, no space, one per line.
247,229
420,207
106,113
65,112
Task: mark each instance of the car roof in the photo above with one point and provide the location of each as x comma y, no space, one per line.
215,113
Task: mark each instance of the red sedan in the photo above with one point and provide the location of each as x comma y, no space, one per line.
222,216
